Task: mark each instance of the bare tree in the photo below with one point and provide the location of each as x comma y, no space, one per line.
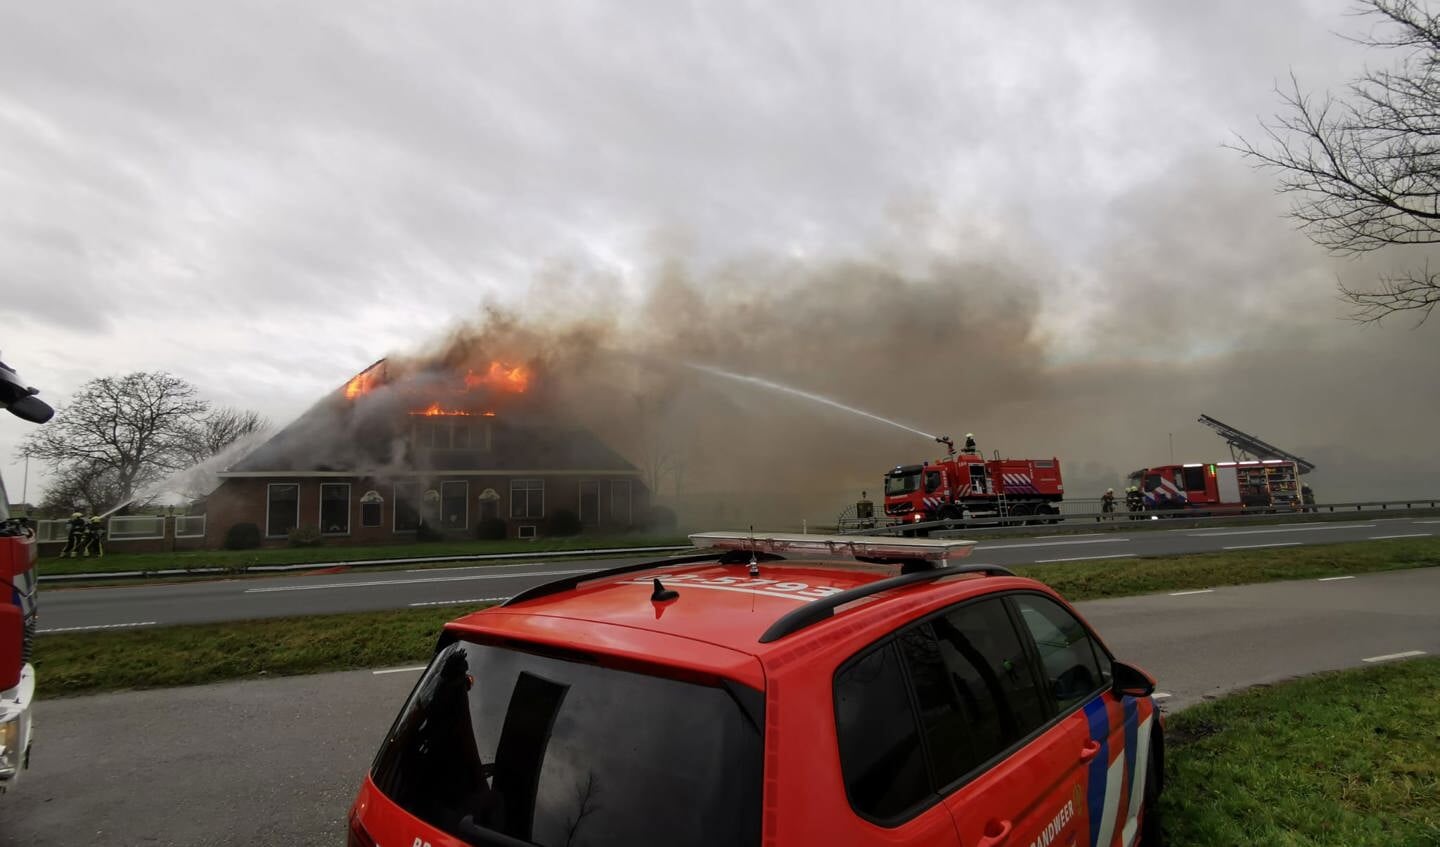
131,430
1364,169
90,489
221,428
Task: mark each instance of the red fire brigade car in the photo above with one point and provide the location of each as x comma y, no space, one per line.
760,693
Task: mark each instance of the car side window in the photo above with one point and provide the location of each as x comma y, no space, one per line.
932,482
1070,658
974,685
880,754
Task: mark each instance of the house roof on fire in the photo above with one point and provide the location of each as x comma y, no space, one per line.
373,432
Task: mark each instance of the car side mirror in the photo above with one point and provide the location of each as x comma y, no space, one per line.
1130,681
12,645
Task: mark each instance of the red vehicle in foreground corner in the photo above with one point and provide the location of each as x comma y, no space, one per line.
759,694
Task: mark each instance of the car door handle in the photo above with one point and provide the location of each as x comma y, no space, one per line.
996,833
1089,750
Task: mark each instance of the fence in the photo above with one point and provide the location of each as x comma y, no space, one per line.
190,526
136,527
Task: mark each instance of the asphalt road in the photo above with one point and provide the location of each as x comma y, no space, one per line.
364,590
277,762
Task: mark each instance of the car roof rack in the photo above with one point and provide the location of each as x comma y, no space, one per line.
824,608
924,553
568,583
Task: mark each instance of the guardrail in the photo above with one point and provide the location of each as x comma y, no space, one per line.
1123,519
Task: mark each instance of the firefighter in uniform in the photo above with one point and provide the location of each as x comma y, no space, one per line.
970,442
1107,502
74,536
1134,501
95,538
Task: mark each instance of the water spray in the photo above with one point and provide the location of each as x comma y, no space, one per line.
796,392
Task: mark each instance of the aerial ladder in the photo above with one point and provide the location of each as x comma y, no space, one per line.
1244,446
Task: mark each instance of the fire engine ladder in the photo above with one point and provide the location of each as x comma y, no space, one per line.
1244,444
998,486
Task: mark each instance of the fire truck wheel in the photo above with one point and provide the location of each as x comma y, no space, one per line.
949,513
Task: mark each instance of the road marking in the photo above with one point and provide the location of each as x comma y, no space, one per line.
1425,521
101,626
1334,578
461,602
1258,546
1388,656
1315,528
1186,593
1085,558
1051,544
379,582
1406,535
441,566
399,670
1161,695
1074,535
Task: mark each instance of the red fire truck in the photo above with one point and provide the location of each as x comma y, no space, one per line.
964,486
1261,484
18,553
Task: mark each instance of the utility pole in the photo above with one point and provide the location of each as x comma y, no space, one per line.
25,487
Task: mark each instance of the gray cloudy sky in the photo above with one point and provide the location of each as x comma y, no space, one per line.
263,197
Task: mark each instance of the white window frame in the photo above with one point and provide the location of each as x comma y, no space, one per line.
270,485
629,500
465,498
531,484
580,503
395,509
381,504
320,509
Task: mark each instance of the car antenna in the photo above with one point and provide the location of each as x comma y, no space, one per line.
661,594
754,562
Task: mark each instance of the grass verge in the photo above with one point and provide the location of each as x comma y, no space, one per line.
88,662
1349,758
240,559
1125,577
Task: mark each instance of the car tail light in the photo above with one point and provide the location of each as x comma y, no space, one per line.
358,837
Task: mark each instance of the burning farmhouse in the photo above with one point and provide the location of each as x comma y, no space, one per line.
453,448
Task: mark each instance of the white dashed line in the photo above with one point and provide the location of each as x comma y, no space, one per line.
1425,522
461,602
1389,656
1316,528
399,670
1052,544
1161,695
1334,578
1406,535
1073,535
442,566
1187,593
1086,558
1258,546
101,626
382,582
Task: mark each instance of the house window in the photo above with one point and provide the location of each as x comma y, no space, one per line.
452,433
454,505
527,498
620,502
335,508
372,509
590,503
282,508
407,506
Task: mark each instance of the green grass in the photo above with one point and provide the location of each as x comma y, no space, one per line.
87,662
238,560
82,663
1344,759
1125,577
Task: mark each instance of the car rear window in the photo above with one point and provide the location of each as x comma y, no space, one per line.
555,750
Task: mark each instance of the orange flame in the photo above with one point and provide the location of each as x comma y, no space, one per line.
435,410
360,384
500,377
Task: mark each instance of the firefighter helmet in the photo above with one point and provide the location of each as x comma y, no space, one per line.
76,515
95,519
